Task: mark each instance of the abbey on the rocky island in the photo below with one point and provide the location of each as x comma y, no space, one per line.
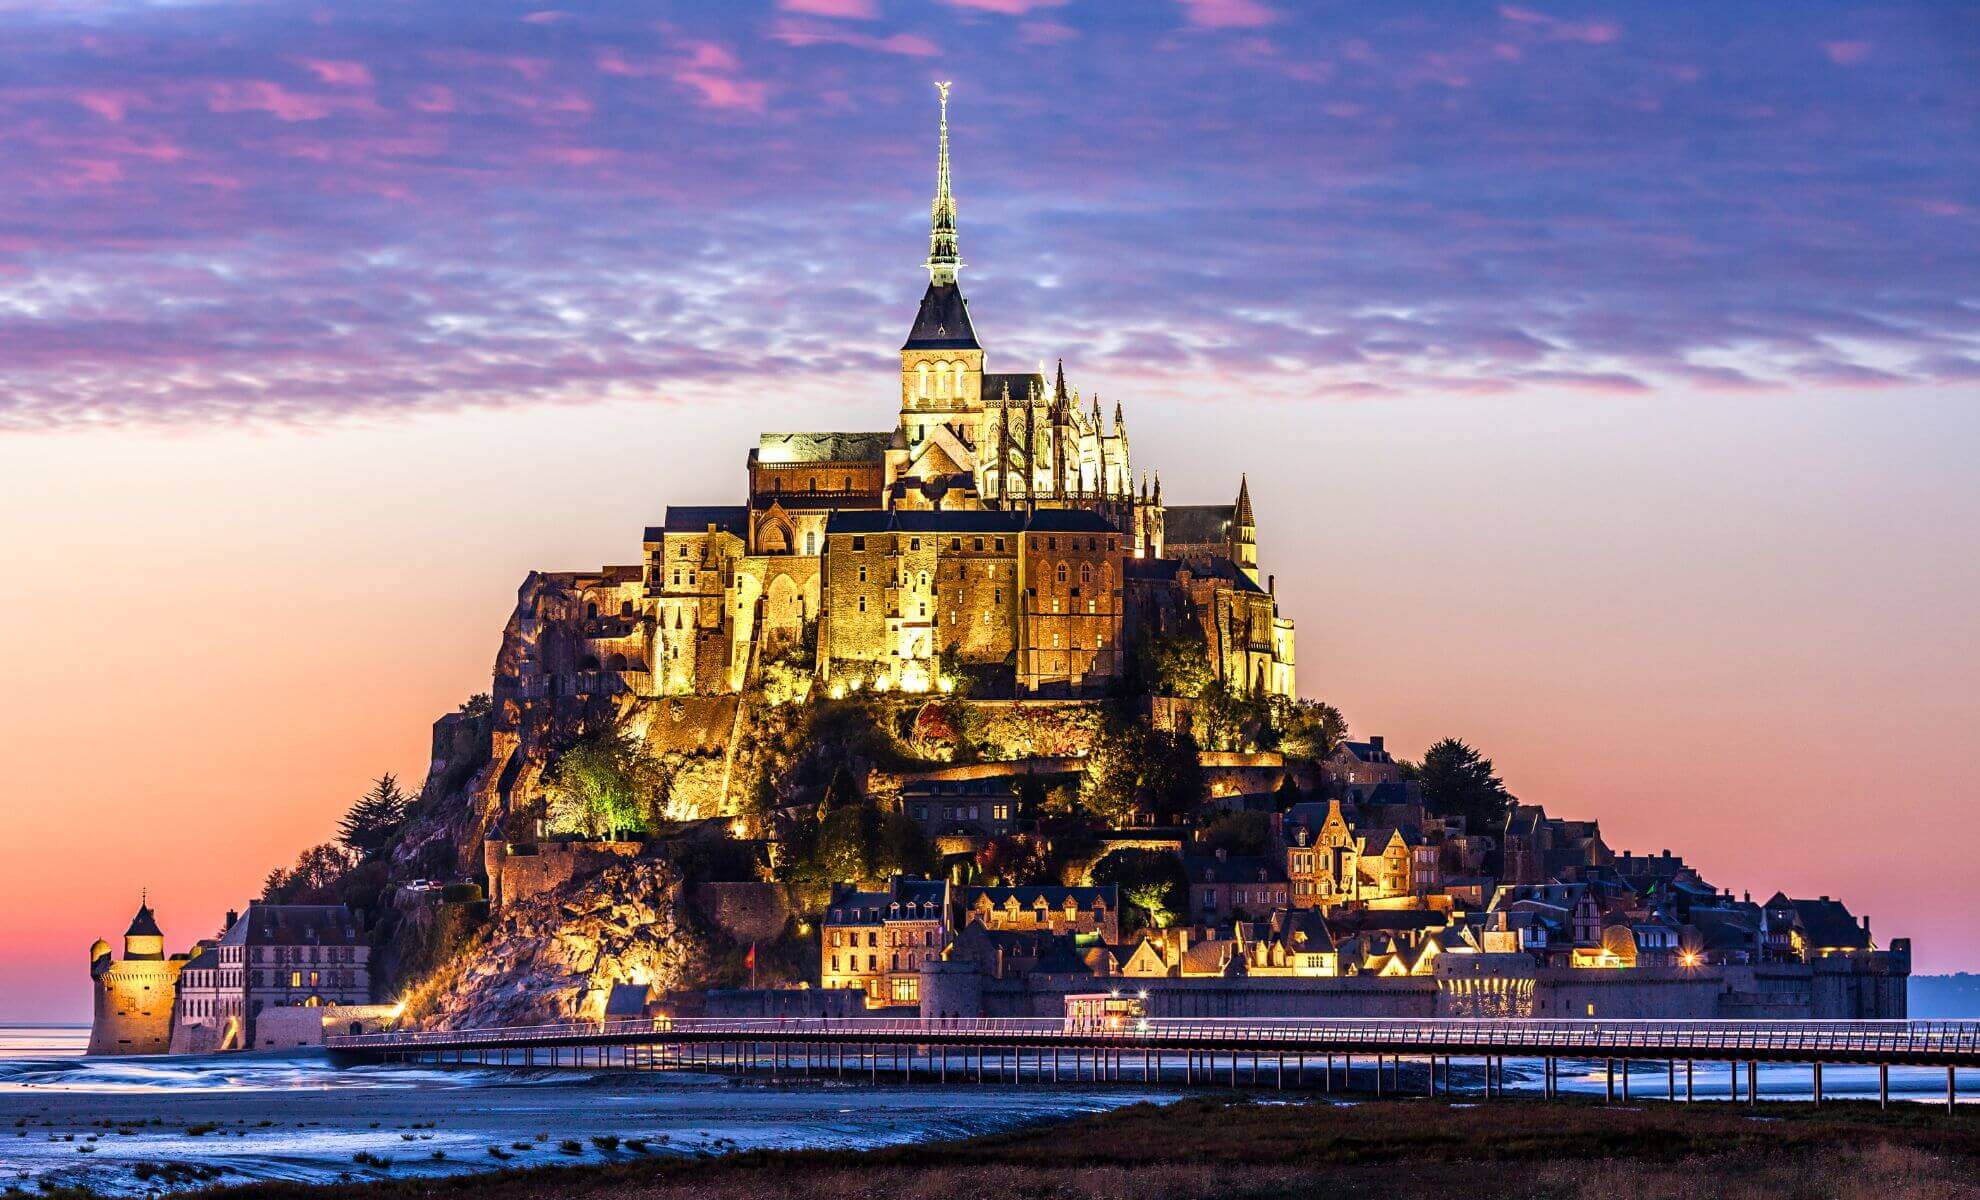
998,528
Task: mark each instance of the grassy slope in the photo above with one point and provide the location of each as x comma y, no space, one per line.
1212,1148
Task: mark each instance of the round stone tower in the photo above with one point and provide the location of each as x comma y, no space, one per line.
951,988
132,1000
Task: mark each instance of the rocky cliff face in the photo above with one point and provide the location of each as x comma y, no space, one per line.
556,956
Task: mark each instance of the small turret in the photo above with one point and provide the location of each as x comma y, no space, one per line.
99,958
144,941
1244,532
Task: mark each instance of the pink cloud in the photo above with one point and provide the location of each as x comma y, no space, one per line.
722,91
1010,8
1847,54
337,72
111,106
851,10
798,33
1593,33
260,95
546,16
432,99
1227,14
1045,33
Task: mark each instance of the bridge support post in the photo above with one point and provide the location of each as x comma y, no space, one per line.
1625,1080
1671,1082
1378,1076
1817,1085
1687,1081
1234,1062
1883,1085
1609,1081
1952,1090
1752,1081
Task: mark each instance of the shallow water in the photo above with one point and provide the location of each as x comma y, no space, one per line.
293,1115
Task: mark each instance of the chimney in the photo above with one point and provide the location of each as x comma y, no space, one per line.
1825,899
1272,585
233,918
1376,741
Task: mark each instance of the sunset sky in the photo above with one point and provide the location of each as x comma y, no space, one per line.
1608,380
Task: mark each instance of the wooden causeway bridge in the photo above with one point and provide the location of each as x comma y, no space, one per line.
1317,1053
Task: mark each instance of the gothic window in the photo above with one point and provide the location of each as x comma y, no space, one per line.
961,373
921,379
1086,573
812,483
811,543
845,483
1061,573
942,379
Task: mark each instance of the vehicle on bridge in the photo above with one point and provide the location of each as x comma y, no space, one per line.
1106,1012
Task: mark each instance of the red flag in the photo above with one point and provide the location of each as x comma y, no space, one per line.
749,960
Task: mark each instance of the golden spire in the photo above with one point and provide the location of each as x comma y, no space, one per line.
943,262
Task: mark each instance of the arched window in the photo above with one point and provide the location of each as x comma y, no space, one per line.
811,542
1062,572
1086,573
942,379
921,379
962,373
591,609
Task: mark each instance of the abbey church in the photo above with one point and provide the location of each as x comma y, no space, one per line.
999,527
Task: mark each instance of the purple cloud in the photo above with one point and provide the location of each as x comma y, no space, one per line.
432,206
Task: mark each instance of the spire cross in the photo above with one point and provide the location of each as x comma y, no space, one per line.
943,262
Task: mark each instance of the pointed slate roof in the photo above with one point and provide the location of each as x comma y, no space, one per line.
942,321
144,924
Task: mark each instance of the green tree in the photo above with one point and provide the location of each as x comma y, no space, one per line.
1239,833
1459,781
1151,881
606,785
375,819
1135,768
1308,729
1175,664
478,705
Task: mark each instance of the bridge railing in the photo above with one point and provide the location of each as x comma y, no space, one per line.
1545,1035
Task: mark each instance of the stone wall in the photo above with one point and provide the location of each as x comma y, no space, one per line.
518,871
293,1025
746,912
132,1009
